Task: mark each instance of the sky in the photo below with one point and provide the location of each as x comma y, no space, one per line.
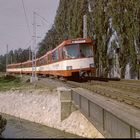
16,22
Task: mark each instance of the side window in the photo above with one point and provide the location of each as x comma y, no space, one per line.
30,63
38,62
46,59
42,61
49,58
62,54
55,56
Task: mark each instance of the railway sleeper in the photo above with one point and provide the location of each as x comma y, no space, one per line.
102,93
96,91
137,105
132,101
107,94
113,97
128,101
120,99
123,87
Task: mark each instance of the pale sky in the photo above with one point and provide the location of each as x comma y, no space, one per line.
16,29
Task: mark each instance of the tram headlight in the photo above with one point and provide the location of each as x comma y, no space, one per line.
92,65
69,67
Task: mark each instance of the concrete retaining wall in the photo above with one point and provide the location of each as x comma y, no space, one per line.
44,107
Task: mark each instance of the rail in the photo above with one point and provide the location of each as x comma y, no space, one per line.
131,98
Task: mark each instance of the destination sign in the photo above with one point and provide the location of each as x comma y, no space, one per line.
79,41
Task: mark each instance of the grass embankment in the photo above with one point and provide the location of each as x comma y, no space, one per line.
15,82
7,82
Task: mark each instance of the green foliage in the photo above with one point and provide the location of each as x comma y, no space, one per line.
16,56
8,82
2,63
69,24
125,15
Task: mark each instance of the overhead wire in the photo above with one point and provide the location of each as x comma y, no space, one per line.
28,43
45,22
27,22
41,17
26,17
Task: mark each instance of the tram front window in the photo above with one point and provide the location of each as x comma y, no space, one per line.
70,51
85,50
77,51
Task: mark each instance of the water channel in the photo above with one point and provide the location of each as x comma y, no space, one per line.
20,128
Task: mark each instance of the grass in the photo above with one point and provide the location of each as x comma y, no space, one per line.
8,82
22,83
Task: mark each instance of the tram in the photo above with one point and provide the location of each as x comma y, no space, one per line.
73,57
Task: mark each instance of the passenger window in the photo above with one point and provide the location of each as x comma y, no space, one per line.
49,58
70,51
63,53
81,53
85,50
55,56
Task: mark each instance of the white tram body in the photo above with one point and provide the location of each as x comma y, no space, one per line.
68,59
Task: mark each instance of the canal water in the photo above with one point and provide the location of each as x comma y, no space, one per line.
20,128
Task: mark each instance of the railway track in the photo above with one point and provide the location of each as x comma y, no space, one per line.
122,91
133,87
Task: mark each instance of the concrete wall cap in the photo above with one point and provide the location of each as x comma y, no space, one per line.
63,89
